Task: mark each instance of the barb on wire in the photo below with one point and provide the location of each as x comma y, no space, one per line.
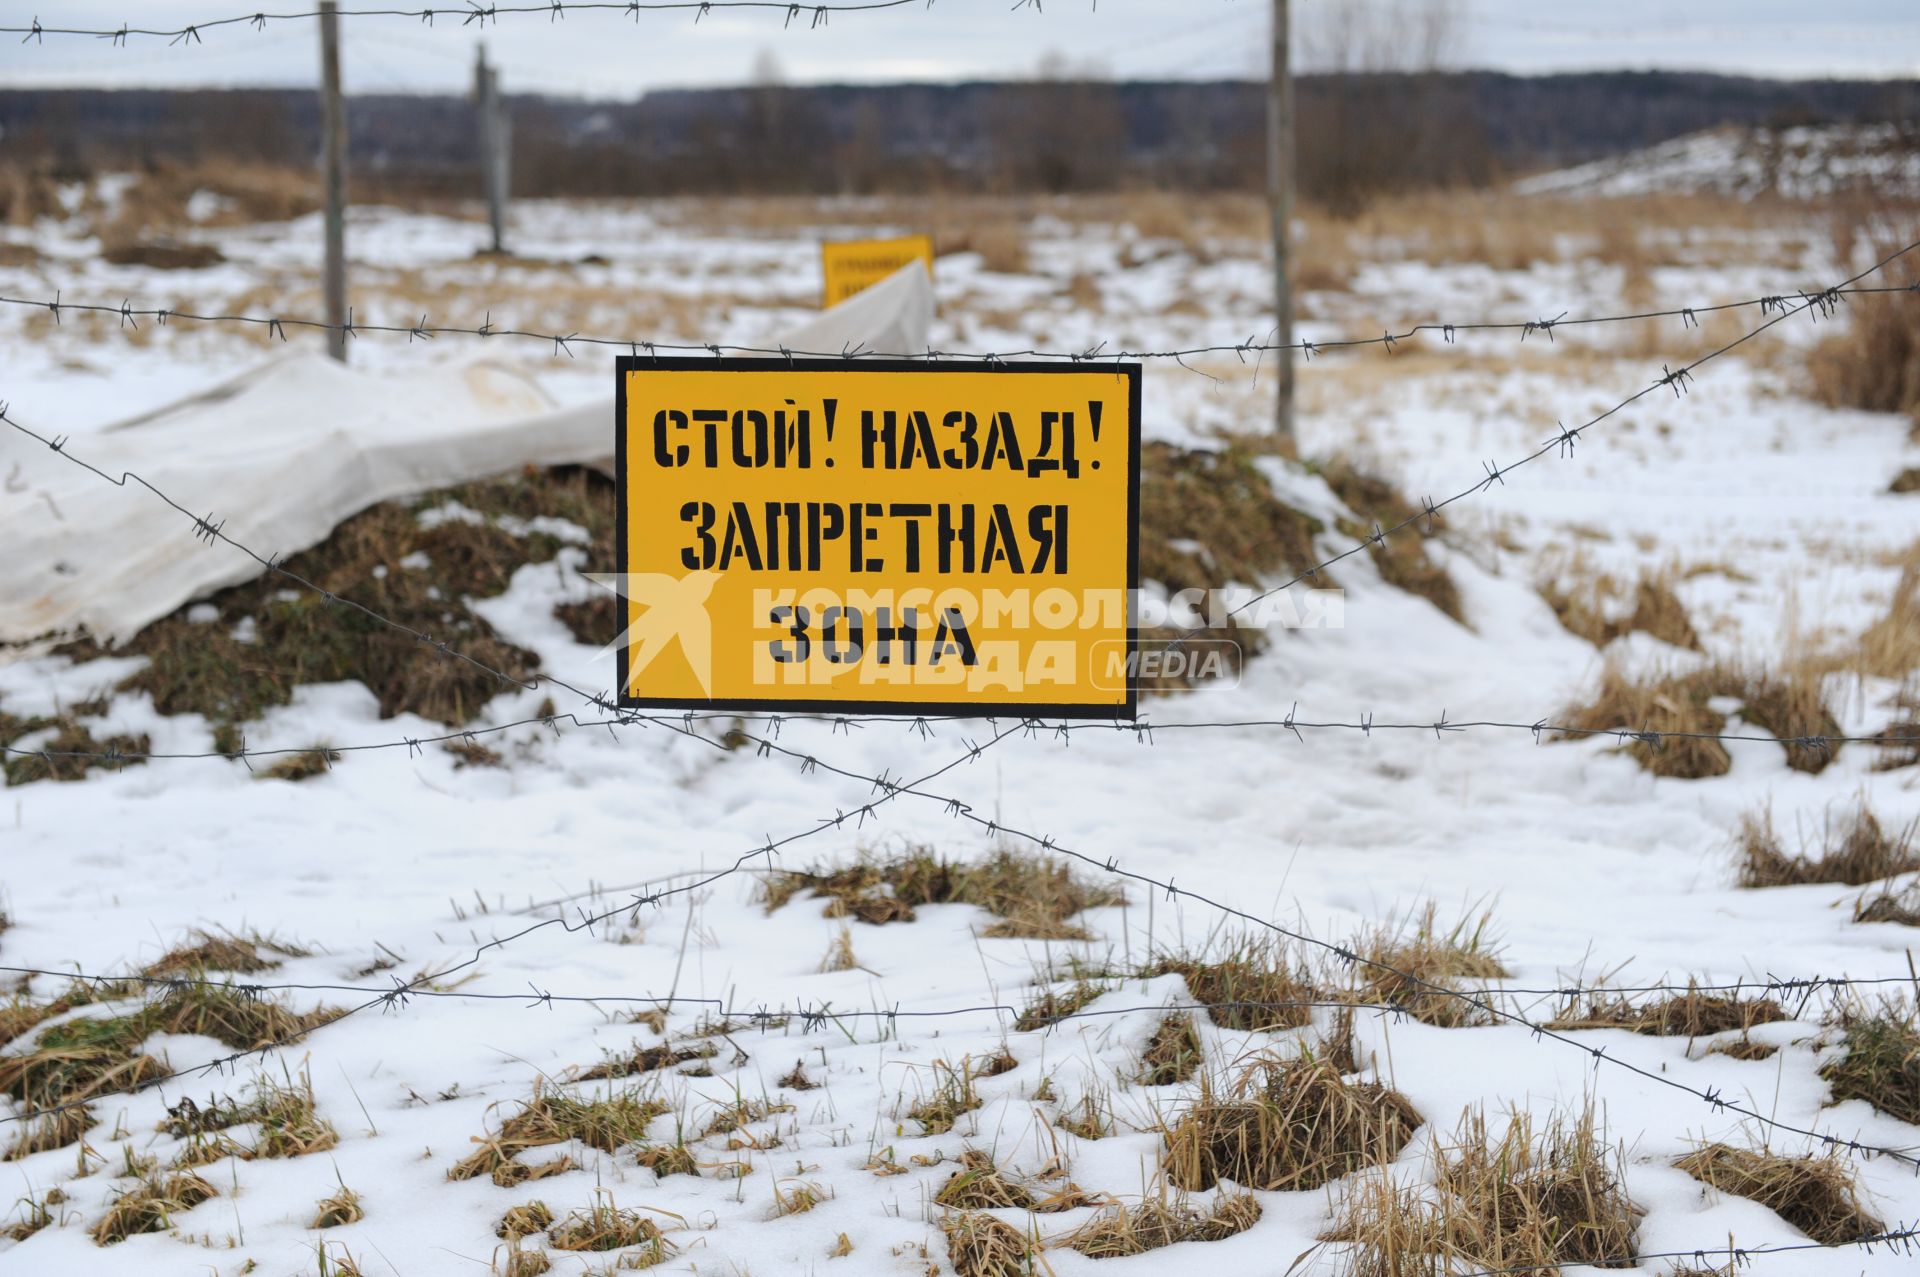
561,344
470,15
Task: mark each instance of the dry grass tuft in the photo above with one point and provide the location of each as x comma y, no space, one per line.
1120,1231
552,1117
1659,711
1287,1125
513,1174
1880,1060
1252,982
1817,1195
1426,962
1855,852
979,1185
1692,1014
667,1159
1401,559
206,951
604,1226
82,1058
511,1261
1601,609
1890,904
304,765
1033,897
952,1095
70,753
840,955
1055,1005
1526,1203
289,1124
646,1059
524,1220
797,1198
149,1207
1172,1054
1554,1197
978,1245
55,1130
341,1208
1890,646
1875,363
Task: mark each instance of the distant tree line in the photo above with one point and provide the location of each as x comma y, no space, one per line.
1361,133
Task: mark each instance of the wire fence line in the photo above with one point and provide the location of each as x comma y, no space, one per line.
1822,303
1802,988
205,528
472,15
1144,731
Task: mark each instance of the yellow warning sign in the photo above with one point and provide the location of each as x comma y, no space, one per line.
884,536
853,264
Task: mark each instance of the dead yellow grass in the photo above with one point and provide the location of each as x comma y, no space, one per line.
1667,717
1172,1054
1286,1125
1248,982
1032,897
1601,608
1693,1014
1880,1060
1854,850
978,1245
1154,1223
151,1205
1817,1195
553,1117
1413,964
1527,1202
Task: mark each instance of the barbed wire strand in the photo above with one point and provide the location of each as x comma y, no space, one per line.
473,15
561,344
1768,987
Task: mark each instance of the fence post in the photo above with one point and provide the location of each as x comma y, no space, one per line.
1280,202
333,152
495,145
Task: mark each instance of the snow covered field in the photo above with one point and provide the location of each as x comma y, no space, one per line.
1772,511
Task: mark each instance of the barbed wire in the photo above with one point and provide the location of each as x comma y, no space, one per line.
729,1008
1823,302
1366,725
473,15
403,990
1411,983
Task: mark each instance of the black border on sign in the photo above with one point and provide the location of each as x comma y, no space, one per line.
624,364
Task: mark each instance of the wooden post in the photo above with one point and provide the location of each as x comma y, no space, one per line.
333,159
495,146
1280,201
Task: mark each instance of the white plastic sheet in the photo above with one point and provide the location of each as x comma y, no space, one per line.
280,456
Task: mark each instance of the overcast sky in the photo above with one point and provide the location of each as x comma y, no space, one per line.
610,55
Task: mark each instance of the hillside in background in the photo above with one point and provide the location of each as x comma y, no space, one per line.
1359,134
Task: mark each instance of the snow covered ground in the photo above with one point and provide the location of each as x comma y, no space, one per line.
399,863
